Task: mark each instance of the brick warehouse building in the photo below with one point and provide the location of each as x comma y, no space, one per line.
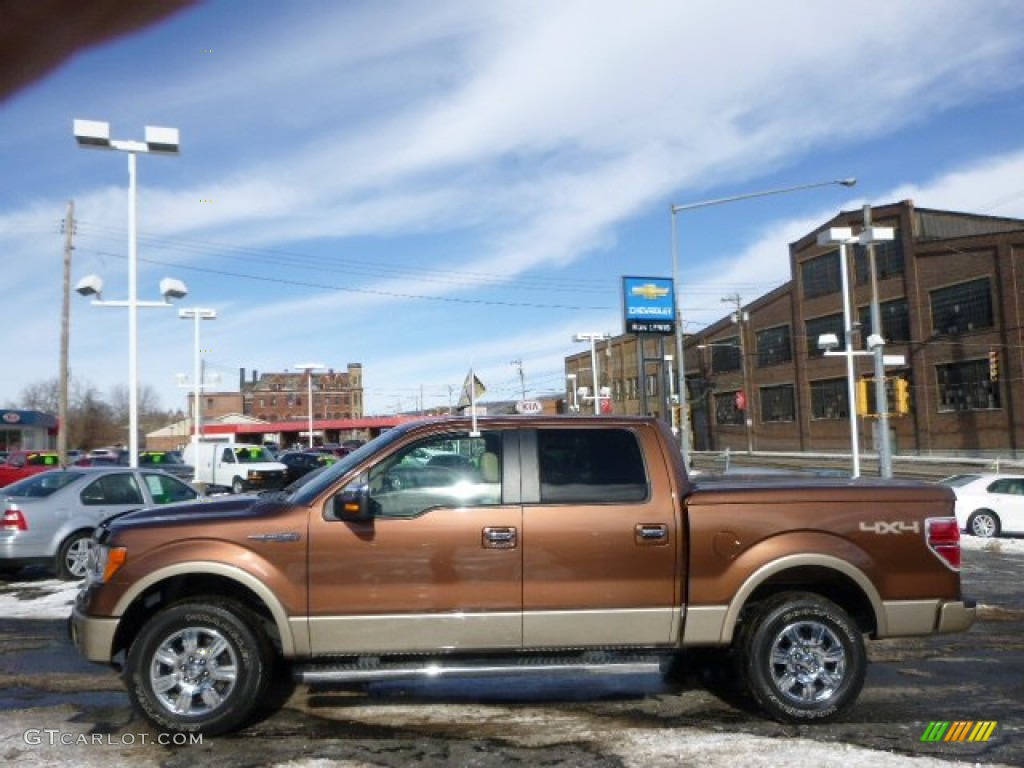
950,297
284,396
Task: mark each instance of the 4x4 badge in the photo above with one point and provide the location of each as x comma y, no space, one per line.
898,526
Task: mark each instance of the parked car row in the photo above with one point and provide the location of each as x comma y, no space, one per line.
48,518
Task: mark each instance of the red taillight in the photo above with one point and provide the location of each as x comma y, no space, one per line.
944,540
13,520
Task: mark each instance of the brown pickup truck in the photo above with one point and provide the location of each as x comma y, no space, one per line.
530,545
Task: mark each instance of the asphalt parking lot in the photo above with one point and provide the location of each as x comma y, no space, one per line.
48,695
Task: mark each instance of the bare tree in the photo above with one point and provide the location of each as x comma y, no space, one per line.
92,420
40,396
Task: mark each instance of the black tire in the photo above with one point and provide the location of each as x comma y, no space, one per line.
802,658
222,665
72,561
984,524
237,486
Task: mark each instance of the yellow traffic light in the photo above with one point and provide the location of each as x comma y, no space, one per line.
862,397
993,365
902,396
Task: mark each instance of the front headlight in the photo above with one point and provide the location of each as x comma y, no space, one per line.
104,562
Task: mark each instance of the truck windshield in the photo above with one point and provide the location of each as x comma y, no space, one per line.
252,455
311,489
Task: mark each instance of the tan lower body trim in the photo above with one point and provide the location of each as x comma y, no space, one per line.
639,626
705,625
906,618
414,633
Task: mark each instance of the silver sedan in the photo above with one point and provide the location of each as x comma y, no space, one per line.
49,518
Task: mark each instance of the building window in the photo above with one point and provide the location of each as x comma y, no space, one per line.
962,308
820,275
725,354
826,324
726,411
966,387
778,403
617,390
888,260
773,346
895,320
651,385
829,399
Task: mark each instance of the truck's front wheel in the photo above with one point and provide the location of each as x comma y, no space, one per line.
238,486
198,667
802,658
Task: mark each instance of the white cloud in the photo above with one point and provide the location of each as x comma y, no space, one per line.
491,141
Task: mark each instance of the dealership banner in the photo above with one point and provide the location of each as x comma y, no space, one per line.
648,305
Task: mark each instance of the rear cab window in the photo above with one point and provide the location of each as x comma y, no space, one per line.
591,466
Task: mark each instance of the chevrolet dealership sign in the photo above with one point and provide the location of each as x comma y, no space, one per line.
648,305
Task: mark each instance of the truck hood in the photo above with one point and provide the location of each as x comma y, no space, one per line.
246,506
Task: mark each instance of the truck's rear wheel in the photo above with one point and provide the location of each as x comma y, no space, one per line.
802,658
198,667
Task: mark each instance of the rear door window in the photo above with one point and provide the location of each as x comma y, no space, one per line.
590,466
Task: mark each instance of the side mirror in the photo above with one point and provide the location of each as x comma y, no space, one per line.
353,506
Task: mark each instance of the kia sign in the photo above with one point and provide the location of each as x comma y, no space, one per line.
529,406
648,305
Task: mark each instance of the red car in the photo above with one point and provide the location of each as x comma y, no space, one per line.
21,464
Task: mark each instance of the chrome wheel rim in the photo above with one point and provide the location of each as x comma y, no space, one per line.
76,560
983,526
194,671
808,662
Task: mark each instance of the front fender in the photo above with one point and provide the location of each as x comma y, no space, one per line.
273,571
289,643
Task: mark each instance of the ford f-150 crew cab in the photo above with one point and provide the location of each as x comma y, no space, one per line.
517,545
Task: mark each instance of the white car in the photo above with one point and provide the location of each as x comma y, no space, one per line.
988,505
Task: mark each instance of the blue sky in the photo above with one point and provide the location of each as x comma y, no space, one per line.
421,187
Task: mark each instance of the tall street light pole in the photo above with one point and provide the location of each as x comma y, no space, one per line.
593,338
843,237
684,427
309,368
196,314
96,135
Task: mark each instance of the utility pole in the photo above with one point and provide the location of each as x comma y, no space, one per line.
881,401
65,322
522,376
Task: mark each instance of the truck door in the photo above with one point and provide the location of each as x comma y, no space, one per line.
440,564
600,540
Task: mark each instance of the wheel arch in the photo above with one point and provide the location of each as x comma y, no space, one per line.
830,577
190,580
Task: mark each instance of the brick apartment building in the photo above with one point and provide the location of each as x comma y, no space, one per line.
950,298
284,396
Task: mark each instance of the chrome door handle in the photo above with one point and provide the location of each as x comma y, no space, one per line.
499,538
650,533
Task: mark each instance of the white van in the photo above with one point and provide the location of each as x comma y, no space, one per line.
237,466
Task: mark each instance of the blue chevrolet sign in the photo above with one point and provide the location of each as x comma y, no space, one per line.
648,305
